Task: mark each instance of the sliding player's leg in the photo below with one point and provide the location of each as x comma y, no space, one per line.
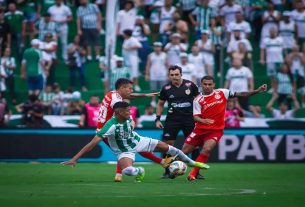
126,161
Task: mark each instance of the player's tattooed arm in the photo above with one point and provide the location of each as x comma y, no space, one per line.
260,89
141,95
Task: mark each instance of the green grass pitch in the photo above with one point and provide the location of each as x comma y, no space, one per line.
244,185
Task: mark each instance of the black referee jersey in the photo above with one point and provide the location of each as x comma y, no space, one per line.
180,101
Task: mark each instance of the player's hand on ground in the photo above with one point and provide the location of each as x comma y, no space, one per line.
208,121
159,125
70,162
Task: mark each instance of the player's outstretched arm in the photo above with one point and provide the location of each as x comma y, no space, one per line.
83,151
260,89
141,95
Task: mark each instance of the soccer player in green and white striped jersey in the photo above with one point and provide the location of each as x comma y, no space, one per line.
125,143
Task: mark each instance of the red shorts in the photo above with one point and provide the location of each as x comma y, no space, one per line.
199,136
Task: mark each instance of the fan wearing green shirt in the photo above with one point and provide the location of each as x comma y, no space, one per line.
32,68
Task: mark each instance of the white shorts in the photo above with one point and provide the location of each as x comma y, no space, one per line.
146,144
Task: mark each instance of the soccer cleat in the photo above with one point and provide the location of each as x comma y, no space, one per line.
167,161
201,165
191,177
200,177
118,178
140,177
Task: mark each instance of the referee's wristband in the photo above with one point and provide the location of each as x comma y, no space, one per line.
157,118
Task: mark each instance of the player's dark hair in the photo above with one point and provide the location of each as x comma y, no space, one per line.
207,77
120,105
122,81
175,67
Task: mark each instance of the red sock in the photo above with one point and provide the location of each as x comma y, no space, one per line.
118,169
201,158
151,156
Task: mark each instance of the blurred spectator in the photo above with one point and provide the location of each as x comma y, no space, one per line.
126,18
174,48
296,60
5,112
103,65
272,53
179,26
5,32
233,45
31,10
204,17
119,71
258,8
243,54
46,26
61,15
270,20
141,31
3,77
166,19
284,85
239,79
233,115
90,113
66,98
75,106
49,48
15,20
283,112
76,61
57,102
9,64
45,5
32,112
130,54
288,31
155,19
156,69
46,97
186,7
255,111
298,15
279,4
228,11
32,68
148,115
188,69
89,24
207,50
197,60
217,33
239,24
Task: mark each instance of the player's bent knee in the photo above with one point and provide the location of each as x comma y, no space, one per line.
161,147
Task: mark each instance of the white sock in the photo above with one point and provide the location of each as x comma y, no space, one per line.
132,171
183,157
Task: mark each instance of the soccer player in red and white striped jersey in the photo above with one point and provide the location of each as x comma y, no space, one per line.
209,111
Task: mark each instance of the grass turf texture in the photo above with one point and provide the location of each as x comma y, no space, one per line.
92,185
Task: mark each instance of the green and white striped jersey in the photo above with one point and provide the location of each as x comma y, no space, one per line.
121,136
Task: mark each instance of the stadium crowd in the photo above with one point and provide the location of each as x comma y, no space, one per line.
154,34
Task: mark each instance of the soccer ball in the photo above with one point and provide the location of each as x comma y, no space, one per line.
177,168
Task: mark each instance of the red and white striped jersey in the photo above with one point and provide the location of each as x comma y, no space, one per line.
106,109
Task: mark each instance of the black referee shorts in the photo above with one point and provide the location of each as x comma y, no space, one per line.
171,130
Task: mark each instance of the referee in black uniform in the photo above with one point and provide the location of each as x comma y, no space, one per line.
179,93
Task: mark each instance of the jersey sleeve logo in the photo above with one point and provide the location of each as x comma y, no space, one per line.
168,87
